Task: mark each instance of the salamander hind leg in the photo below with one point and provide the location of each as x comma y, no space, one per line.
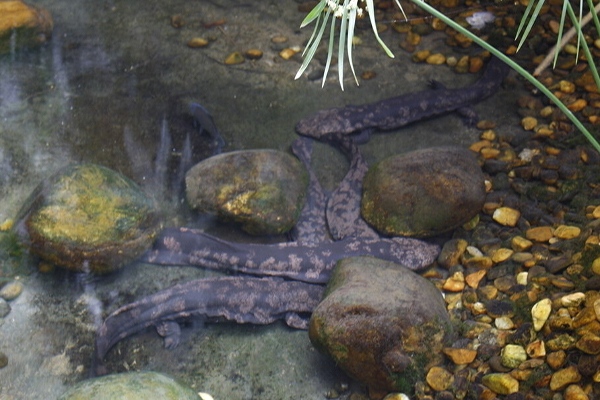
171,331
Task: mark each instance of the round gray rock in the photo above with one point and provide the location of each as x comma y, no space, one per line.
131,386
263,190
424,192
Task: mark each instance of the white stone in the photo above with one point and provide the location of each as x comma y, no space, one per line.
540,313
573,299
522,278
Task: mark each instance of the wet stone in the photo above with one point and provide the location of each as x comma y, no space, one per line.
574,392
11,290
513,355
132,385
561,378
23,25
370,311
540,313
460,356
56,219
439,378
262,190
424,192
589,343
501,383
451,252
3,360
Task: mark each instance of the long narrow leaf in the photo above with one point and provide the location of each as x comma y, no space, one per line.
525,17
371,9
534,16
313,47
341,48
314,13
351,23
329,50
312,36
561,28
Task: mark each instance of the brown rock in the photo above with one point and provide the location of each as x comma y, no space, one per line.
501,383
539,234
376,319
424,192
506,216
574,392
561,378
451,252
460,356
589,343
439,378
556,359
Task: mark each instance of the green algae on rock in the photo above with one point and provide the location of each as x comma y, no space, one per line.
263,190
88,218
424,192
131,386
381,323
23,25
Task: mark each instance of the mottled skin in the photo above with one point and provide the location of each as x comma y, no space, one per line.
329,229
399,111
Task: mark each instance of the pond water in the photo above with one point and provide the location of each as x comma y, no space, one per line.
112,87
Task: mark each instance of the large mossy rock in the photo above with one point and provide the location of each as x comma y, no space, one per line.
381,323
88,218
23,25
424,192
131,386
263,190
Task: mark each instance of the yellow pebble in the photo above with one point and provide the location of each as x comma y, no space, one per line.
566,86
506,216
436,59
577,105
567,232
529,123
502,254
288,53
197,42
519,243
539,233
234,58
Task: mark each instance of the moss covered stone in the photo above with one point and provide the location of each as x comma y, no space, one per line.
131,386
424,192
381,323
88,218
263,190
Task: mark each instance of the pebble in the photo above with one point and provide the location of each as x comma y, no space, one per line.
197,42
436,59
475,278
519,243
567,232
503,384
234,58
572,299
539,234
439,378
536,349
177,21
513,355
574,392
11,290
561,378
460,356
556,359
254,54
287,53
540,313
589,343
506,216
528,123
3,360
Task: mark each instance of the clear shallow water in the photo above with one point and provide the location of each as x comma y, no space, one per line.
112,87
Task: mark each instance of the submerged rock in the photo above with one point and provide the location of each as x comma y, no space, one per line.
131,386
263,190
88,218
381,323
23,25
424,192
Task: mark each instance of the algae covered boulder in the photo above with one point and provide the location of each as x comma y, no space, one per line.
263,190
424,192
23,25
88,218
381,323
131,386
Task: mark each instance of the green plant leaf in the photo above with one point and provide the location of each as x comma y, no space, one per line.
329,50
313,46
342,42
351,23
534,16
371,9
314,13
